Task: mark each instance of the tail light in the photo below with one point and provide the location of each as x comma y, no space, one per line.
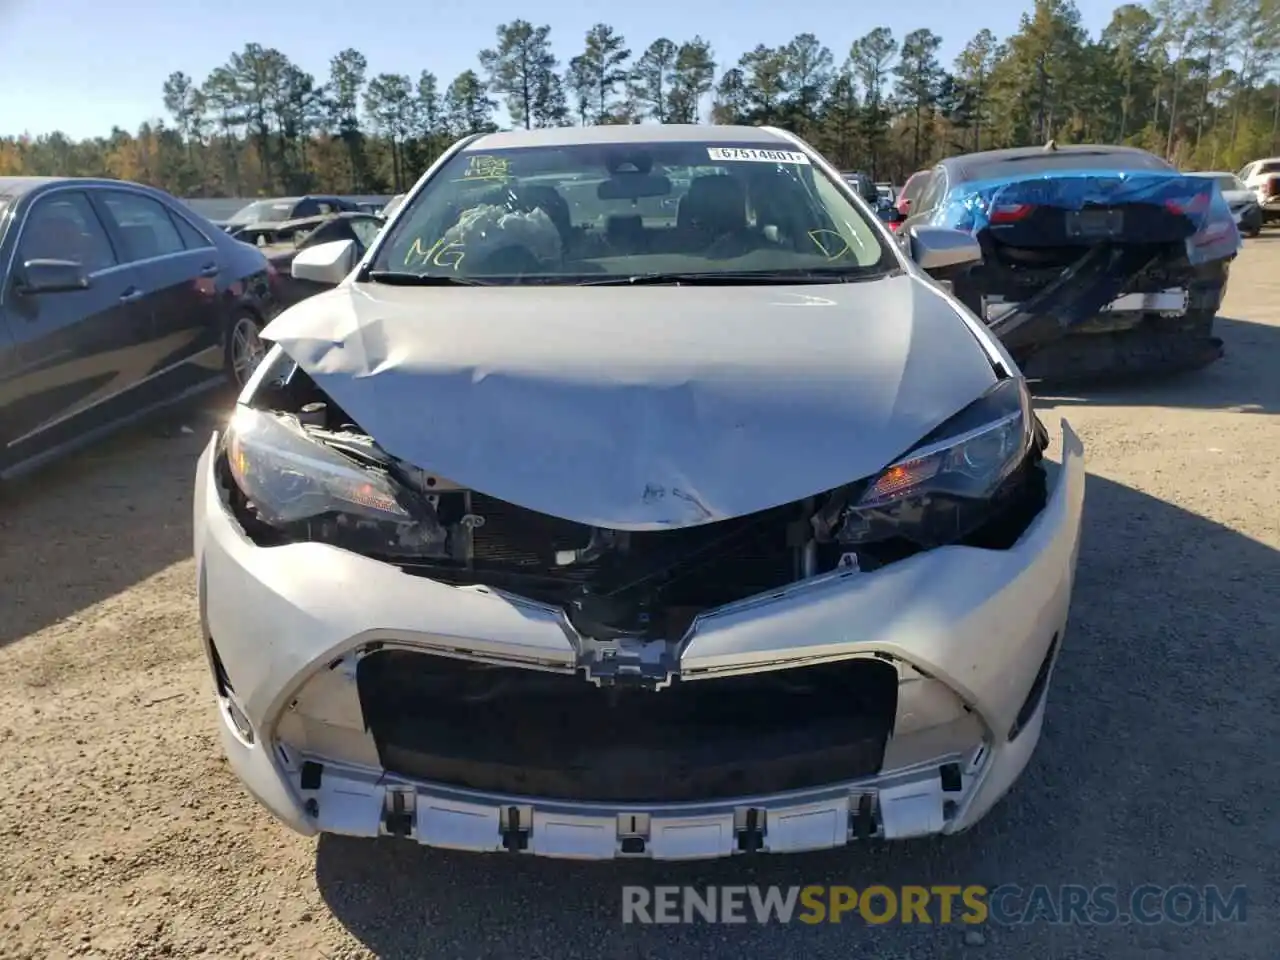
273,277
1010,212
1190,205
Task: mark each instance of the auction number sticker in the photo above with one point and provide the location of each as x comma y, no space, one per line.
756,155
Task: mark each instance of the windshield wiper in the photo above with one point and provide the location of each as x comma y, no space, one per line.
742,278
406,279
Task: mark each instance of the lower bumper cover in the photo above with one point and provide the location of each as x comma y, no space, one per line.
979,622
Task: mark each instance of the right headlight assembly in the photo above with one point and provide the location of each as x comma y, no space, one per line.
951,482
306,489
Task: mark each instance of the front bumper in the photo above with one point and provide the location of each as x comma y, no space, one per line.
972,629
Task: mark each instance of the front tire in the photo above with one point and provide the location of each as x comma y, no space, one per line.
244,347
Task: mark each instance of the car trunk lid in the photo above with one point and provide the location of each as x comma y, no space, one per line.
1063,246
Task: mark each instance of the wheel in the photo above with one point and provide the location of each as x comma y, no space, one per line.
244,348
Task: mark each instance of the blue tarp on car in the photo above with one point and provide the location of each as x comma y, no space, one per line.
982,204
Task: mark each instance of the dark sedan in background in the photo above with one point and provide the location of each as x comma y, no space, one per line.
115,299
281,209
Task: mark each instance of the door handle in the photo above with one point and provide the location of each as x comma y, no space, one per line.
132,295
210,270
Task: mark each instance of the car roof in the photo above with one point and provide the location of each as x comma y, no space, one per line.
19,186
325,218
964,165
629,133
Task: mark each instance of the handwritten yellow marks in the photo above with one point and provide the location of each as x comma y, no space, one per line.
828,241
485,167
439,254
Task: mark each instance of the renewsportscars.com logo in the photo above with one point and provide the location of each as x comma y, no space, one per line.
1006,905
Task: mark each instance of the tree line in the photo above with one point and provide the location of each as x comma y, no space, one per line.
1197,81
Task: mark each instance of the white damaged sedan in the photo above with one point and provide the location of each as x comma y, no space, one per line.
636,494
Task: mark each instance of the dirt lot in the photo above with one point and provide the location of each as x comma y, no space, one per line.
122,833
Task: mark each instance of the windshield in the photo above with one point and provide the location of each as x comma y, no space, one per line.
264,211
578,213
1228,182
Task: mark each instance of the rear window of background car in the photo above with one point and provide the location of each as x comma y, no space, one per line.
1065,160
144,224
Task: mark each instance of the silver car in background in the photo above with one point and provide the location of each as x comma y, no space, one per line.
623,527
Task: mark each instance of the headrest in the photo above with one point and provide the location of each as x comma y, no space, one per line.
717,203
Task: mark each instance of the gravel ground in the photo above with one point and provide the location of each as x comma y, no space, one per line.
123,834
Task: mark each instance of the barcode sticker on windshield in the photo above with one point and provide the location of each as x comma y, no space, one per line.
756,155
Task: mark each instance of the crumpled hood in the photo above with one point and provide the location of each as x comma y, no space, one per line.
642,407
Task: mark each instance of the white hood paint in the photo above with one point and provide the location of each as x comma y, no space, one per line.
642,407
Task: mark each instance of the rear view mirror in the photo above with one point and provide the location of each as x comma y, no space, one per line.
327,263
939,251
52,276
633,186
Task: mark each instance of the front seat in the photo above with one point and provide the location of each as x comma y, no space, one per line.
714,205
549,200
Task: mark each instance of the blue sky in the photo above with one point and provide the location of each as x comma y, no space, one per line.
82,66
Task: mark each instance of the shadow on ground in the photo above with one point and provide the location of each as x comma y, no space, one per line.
1153,769
1242,381
89,527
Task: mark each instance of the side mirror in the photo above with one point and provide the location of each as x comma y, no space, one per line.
327,263
52,276
939,251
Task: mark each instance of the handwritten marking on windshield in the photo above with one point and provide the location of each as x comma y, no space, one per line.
487,168
440,254
822,239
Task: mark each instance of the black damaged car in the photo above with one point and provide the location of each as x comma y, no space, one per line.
1098,261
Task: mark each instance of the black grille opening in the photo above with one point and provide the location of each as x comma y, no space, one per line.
529,733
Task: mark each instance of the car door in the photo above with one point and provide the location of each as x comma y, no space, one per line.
178,272
74,353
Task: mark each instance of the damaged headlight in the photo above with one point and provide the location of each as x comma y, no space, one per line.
293,482
945,487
